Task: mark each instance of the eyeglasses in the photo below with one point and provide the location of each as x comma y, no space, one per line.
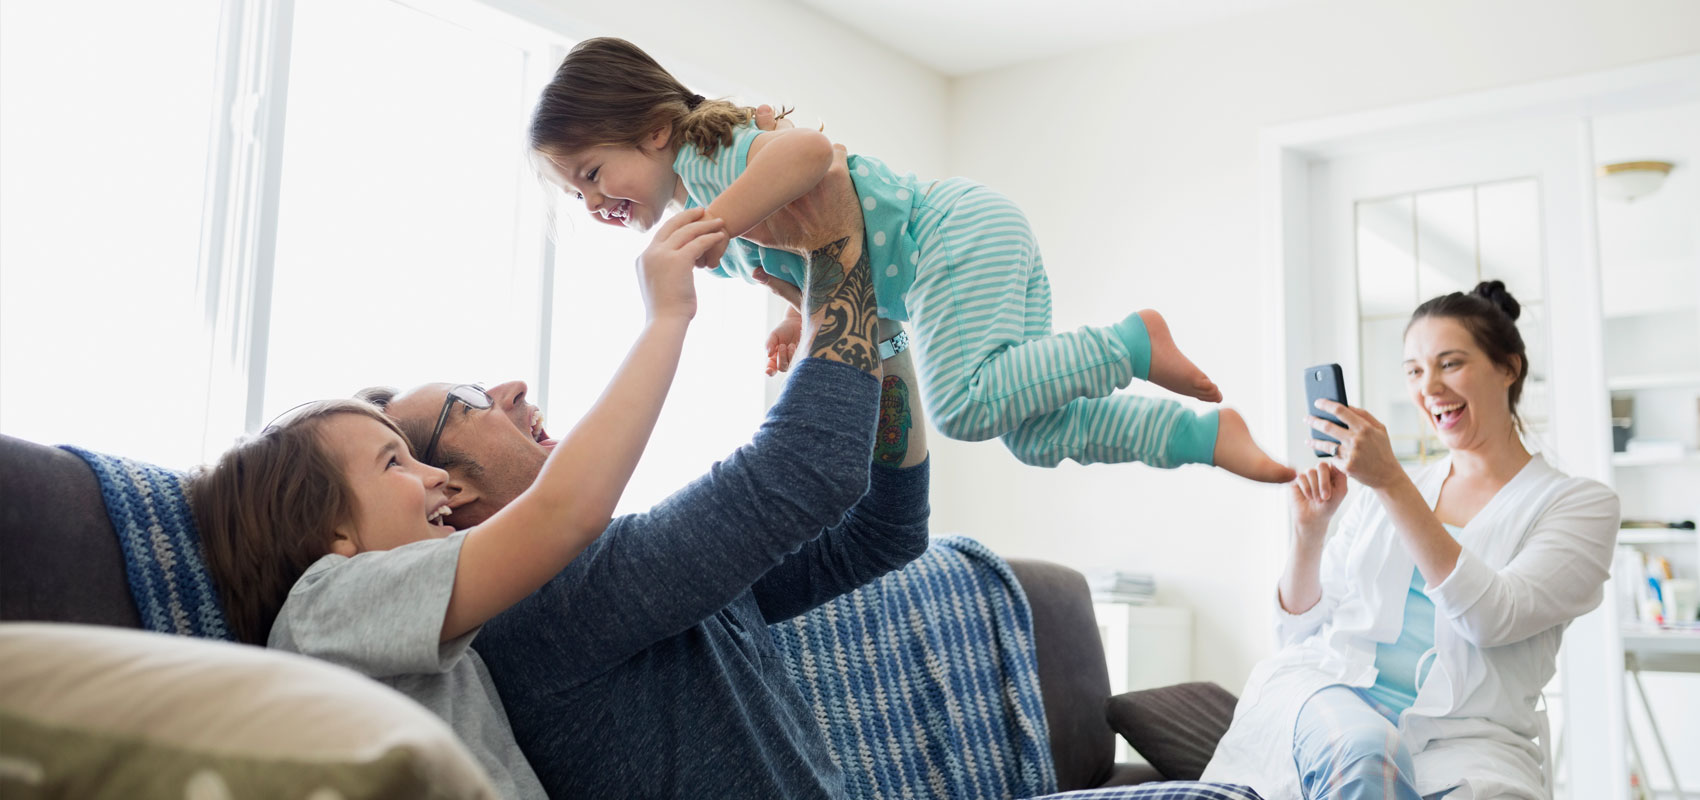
470,394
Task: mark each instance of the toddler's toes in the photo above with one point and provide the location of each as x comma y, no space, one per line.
1238,453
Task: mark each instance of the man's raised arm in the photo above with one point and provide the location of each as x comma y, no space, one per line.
886,529
825,227
654,575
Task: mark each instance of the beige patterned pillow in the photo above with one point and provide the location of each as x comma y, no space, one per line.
98,712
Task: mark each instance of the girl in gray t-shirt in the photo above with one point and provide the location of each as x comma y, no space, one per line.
327,537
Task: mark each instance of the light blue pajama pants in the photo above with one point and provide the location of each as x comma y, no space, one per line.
980,312
1347,746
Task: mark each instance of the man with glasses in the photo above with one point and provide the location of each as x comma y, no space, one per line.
645,668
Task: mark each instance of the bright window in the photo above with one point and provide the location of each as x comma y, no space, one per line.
371,220
717,398
400,213
104,115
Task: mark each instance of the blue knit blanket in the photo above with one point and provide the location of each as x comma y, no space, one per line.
925,682
162,551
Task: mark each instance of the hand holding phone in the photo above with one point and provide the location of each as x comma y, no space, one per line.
1324,381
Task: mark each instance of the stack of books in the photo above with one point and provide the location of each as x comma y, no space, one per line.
1113,586
1649,594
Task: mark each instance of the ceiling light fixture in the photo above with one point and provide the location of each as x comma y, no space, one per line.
1628,180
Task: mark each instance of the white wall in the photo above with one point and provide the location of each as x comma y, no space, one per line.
1138,166
871,98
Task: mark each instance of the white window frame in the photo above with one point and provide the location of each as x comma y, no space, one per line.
239,213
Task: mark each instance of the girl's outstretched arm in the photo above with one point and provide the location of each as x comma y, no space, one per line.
781,166
534,537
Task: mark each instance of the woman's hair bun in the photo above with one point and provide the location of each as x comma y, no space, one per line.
1495,293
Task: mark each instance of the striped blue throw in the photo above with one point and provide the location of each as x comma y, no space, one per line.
162,551
926,686
924,681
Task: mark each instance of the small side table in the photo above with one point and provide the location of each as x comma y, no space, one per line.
1146,647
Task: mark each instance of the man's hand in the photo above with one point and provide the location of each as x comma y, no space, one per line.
769,121
829,212
837,298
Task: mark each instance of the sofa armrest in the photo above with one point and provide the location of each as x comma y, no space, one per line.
59,558
1126,774
1175,728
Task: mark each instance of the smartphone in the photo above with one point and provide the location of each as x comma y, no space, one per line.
1324,381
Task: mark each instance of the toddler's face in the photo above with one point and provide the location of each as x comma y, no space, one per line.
397,500
620,185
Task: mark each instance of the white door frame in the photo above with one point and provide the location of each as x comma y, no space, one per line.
1286,153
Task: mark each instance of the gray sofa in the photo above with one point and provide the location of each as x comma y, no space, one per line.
60,562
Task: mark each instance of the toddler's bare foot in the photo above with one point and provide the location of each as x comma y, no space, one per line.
1170,368
1237,453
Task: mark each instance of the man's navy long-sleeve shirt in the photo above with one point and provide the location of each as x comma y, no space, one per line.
645,669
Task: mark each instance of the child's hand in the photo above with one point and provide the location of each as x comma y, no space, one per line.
665,267
711,258
782,342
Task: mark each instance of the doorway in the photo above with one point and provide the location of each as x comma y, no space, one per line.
1366,215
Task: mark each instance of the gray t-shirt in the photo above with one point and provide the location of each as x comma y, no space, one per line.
381,614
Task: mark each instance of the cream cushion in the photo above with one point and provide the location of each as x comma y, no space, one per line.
96,712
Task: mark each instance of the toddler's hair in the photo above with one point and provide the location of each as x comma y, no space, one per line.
268,509
609,92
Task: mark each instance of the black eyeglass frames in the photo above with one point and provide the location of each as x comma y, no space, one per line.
470,394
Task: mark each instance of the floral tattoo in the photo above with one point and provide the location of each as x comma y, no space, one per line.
891,441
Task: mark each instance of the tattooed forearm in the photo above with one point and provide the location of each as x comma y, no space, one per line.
842,304
826,274
891,441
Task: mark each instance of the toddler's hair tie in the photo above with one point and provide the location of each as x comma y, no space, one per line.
692,101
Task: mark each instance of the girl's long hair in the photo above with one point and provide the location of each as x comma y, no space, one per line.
269,508
609,92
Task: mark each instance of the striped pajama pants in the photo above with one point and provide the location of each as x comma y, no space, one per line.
990,365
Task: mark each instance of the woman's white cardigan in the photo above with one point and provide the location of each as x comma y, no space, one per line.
1534,558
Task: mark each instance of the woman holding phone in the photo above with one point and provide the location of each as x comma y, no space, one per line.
1416,640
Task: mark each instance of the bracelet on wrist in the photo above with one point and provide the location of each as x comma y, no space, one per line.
896,344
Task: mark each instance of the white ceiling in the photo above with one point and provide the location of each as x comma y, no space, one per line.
958,37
